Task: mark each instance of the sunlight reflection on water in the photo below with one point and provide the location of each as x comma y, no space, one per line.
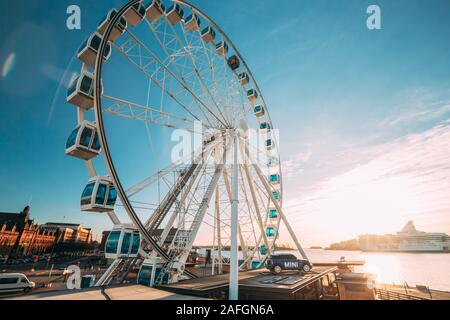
430,269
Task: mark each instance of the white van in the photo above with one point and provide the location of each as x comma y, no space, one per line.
13,282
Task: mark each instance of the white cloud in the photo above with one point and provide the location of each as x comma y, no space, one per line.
295,164
388,184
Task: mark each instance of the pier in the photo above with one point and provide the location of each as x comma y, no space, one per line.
262,285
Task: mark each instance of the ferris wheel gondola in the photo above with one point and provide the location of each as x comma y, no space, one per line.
83,142
89,50
123,242
174,13
117,30
99,195
200,77
135,14
192,22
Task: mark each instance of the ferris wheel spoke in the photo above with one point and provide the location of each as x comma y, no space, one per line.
232,87
134,111
209,69
165,45
195,157
186,49
145,68
177,79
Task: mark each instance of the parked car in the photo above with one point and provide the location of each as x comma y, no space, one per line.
14,282
279,263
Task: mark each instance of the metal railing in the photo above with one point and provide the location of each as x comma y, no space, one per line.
382,294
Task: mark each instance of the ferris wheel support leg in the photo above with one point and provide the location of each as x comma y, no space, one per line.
239,232
255,204
280,211
172,218
205,204
234,267
275,202
105,277
219,232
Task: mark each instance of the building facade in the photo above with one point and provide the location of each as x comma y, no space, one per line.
69,232
21,236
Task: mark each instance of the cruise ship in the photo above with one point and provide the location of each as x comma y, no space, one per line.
407,240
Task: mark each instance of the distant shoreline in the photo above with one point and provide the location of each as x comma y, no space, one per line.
386,251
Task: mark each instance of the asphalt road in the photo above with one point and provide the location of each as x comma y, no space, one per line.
56,281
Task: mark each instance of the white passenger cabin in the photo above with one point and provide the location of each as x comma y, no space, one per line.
222,48
252,95
275,179
270,144
81,91
192,23
155,10
83,142
244,78
150,272
265,127
273,214
118,29
100,195
259,111
271,232
89,50
135,14
234,62
174,13
123,242
273,162
208,34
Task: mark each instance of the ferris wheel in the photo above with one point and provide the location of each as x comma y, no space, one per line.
150,71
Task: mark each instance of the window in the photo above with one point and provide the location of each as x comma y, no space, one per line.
72,87
122,23
145,275
83,46
88,190
85,139
72,138
113,242
95,42
112,196
24,280
96,144
101,194
86,85
107,51
9,280
126,243
136,243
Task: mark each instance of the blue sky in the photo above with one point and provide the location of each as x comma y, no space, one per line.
360,111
